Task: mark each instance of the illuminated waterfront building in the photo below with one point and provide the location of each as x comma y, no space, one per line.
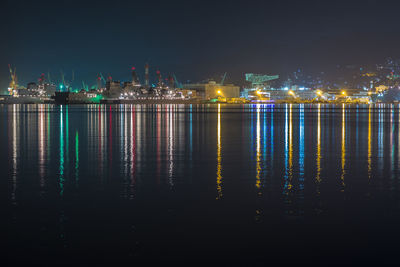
213,90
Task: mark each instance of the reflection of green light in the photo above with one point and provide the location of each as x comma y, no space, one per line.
61,154
66,132
76,157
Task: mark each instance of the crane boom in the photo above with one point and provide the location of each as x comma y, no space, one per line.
102,77
178,84
223,79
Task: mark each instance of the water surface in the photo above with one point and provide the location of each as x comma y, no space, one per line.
213,183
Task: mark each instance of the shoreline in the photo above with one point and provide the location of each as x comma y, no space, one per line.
184,102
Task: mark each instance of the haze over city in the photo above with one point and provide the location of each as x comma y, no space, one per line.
196,40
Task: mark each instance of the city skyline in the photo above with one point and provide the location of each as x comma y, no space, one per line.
194,41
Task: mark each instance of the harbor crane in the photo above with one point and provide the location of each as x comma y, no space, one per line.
14,81
98,82
177,84
223,79
102,77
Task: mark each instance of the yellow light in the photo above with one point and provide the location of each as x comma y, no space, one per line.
343,93
291,93
219,92
258,92
319,92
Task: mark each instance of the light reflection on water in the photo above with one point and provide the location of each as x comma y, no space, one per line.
343,146
172,162
136,143
219,164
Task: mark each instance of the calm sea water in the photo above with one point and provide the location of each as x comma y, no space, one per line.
215,183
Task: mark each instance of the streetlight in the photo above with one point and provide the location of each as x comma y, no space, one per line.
319,92
219,92
344,93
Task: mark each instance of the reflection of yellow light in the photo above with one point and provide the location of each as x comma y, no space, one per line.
288,176
290,149
219,167
343,146
369,144
318,177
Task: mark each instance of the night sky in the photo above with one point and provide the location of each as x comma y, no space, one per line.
195,40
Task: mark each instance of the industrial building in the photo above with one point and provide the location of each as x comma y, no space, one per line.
212,90
113,89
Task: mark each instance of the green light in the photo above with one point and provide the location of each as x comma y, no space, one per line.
96,99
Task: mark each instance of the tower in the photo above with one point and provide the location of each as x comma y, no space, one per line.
171,82
146,74
134,77
159,78
42,79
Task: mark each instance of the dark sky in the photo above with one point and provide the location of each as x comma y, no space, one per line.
193,39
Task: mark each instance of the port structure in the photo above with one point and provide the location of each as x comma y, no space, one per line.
135,79
146,74
12,88
177,83
259,80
